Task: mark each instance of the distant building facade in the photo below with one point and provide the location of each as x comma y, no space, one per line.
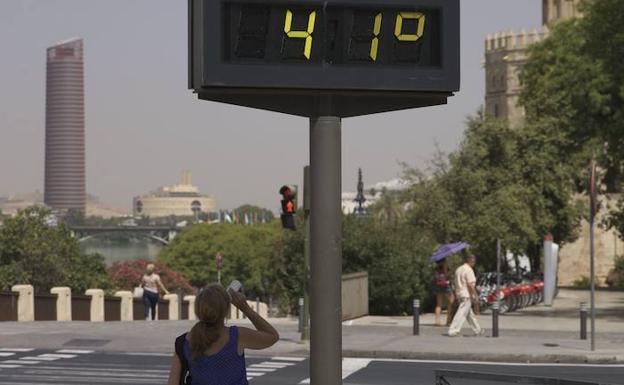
65,180
182,199
506,55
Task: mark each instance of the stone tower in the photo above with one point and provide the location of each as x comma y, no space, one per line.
506,54
557,10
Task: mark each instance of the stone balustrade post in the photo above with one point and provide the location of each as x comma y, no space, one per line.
127,300
173,306
25,302
97,304
191,306
63,303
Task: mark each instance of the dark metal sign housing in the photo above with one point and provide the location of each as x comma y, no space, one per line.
343,57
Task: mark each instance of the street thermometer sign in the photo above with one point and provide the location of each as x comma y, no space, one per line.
367,55
326,60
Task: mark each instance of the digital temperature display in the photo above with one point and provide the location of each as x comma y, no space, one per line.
332,35
352,57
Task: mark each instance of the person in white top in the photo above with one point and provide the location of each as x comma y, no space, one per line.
151,285
466,292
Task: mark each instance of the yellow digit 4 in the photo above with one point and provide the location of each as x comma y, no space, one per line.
375,41
420,28
307,34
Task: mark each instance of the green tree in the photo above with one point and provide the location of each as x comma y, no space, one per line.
574,88
501,183
33,252
245,248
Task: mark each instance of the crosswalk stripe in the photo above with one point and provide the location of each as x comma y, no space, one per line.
52,355
297,359
277,364
10,366
72,351
349,366
16,349
20,361
267,370
6,354
253,374
41,358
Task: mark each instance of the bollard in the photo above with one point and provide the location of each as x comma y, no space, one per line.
126,311
583,320
173,306
495,309
258,305
96,309
301,310
63,303
416,317
191,307
25,302
270,306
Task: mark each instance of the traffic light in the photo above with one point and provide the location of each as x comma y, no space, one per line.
289,206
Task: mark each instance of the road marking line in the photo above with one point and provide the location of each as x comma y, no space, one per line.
16,349
263,365
71,351
41,358
277,364
20,361
297,359
349,366
148,354
51,355
6,354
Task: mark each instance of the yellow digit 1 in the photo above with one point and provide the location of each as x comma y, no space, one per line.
307,34
420,28
375,41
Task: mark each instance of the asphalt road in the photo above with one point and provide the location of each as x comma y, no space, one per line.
77,367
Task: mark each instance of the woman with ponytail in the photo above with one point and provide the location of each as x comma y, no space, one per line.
212,353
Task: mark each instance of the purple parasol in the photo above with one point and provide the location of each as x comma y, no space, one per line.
448,249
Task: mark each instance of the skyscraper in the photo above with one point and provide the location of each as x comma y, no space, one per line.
65,186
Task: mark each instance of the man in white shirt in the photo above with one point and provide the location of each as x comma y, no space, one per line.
466,292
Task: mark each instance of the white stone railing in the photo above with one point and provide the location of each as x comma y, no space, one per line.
100,308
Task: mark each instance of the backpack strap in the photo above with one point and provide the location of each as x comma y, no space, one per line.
185,375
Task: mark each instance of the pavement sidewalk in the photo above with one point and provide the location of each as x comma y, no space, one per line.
538,334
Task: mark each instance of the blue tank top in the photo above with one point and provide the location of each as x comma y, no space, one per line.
225,367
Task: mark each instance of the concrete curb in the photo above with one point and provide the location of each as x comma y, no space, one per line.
596,358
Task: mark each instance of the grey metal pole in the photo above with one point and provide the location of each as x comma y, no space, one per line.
495,307
325,251
498,272
301,304
583,320
416,320
305,333
592,285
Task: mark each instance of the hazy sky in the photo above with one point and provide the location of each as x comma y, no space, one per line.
143,127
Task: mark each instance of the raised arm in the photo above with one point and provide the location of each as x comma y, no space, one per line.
263,337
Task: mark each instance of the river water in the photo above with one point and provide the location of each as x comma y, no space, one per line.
122,249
